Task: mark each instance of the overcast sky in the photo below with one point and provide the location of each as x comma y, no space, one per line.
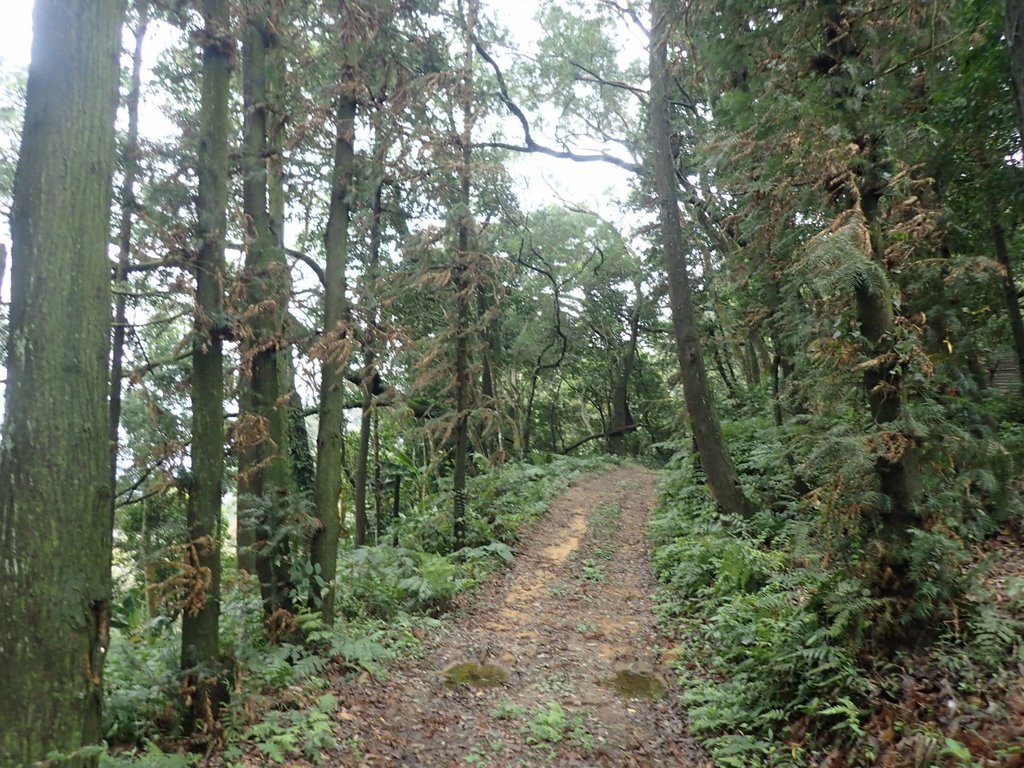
16,31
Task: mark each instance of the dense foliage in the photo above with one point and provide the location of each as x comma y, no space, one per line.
783,657
388,596
348,353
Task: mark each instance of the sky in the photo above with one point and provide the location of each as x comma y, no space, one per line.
542,180
16,31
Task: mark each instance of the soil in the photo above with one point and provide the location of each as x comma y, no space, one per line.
557,661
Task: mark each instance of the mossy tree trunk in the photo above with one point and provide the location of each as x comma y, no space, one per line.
200,651
489,319
264,476
1014,13
621,416
55,489
883,384
718,465
1009,286
370,379
334,359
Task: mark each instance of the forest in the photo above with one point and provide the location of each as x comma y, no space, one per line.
328,439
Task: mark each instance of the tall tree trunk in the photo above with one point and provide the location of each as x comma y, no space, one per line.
378,479
718,466
1014,14
55,490
362,476
124,238
723,363
527,432
300,457
489,319
264,480
369,377
751,361
324,547
372,321
882,381
302,462
200,649
621,417
462,286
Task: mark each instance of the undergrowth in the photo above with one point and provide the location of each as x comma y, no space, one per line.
783,656
388,598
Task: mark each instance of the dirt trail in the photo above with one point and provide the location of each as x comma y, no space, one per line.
571,616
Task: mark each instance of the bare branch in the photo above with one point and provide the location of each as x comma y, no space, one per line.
625,10
308,261
138,372
595,77
529,143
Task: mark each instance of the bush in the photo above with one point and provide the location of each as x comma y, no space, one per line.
785,650
500,503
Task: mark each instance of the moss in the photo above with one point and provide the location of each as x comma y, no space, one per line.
474,673
637,685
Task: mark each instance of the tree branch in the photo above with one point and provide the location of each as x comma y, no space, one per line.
595,77
608,433
315,268
529,143
308,261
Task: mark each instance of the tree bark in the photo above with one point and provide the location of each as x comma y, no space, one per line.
882,381
751,361
621,416
463,289
324,547
491,441
1010,296
264,479
718,466
369,377
55,490
1014,13
200,626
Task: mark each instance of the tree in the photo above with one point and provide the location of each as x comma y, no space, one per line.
461,284
1014,12
264,480
200,650
718,466
334,357
55,489
124,236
